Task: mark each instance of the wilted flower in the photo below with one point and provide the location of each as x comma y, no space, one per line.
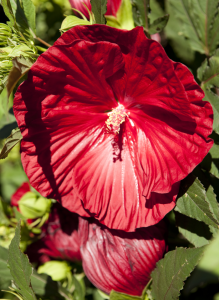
118,260
112,6
59,238
111,125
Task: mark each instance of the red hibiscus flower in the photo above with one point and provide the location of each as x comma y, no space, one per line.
118,260
59,238
20,192
112,6
111,125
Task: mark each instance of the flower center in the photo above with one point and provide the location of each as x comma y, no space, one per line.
116,117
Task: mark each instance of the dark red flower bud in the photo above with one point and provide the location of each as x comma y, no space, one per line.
118,260
59,237
112,6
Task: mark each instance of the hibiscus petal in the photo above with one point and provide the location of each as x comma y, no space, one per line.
111,188
166,107
69,95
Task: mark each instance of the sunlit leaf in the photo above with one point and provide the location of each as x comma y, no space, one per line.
199,23
30,14
10,142
79,292
171,272
21,66
196,232
22,15
158,25
208,74
20,267
120,296
5,275
71,21
9,12
211,161
141,9
210,260
194,202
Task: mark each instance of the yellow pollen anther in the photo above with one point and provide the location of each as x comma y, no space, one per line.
116,117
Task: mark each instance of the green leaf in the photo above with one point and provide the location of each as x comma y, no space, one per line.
141,9
21,50
98,295
21,66
211,161
99,10
214,100
171,272
173,31
120,296
212,201
210,260
10,142
30,14
207,270
156,11
22,16
6,117
214,153
199,23
8,11
158,25
79,292
18,215
44,286
197,233
5,275
72,21
58,270
7,124
20,267
195,204
208,73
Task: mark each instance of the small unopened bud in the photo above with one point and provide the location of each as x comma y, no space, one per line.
32,206
5,33
58,270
